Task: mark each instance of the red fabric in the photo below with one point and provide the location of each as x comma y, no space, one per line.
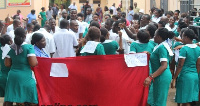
94,81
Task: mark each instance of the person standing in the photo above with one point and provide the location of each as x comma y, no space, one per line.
114,9
186,75
65,41
136,9
49,13
72,6
130,14
42,16
31,16
21,18
55,9
161,73
61,10
39,42
20,87
85,7
89,15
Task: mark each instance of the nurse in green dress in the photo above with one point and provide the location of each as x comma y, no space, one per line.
5,40
187,84
161,75
42,16
20,87
110,46
93,37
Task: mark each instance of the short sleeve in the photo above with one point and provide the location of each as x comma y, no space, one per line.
52,47
31,51
182,53
132,48
163,53
100,50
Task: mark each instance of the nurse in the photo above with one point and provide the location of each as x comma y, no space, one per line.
187,84
161,75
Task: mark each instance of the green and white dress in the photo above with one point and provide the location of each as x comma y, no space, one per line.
187,86
99,50
3,75
161,83
21,87
110,47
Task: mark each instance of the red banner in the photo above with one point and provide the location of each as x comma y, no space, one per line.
19,2
92,81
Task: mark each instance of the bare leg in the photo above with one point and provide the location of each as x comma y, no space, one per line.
8,104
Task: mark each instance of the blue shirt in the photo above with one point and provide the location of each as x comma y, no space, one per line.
31,17
40,53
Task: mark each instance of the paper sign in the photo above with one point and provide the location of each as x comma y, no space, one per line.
133,60
176,55
90,47
5,50
59,70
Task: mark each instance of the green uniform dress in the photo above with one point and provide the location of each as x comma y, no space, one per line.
21,87
43,15
161,83
110,47
3,75
98,51
187,89
137,47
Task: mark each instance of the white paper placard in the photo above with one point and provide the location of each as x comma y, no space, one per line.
134,60
59,70
90,47
176,55
5,50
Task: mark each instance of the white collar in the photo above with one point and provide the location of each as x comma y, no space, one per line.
107,41
191,45
24,43
166,46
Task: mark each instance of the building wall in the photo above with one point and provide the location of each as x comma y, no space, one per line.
25,10
173,5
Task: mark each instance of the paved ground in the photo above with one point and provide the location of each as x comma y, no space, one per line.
170,101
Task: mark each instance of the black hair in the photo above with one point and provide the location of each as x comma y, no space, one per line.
123,14
163,33
152,9
4,39
131,7
115,16
63,6
155,24
190,34
147,16
159,12
107,15
47,27
80,15
64,24
106,8
123,20
182,31
111,11
42,8
119,9
96,15
143,36
195,31
104,33
136,16
94,23
169,12
178,11
33,11
94,33
182,25
36,38
110,20
116,24
16,21
29,25
20,35
36,27
152,29
73,10
171,34
162,23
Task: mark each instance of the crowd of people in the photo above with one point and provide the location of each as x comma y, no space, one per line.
169,37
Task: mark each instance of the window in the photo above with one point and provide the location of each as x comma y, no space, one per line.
82,1
2,4
96,1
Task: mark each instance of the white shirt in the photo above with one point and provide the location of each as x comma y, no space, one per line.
171,29
65,41
80,27
144,27
56,30
73,7
156,20
76,34
50,44
11,34
28,38
10,28
114,10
